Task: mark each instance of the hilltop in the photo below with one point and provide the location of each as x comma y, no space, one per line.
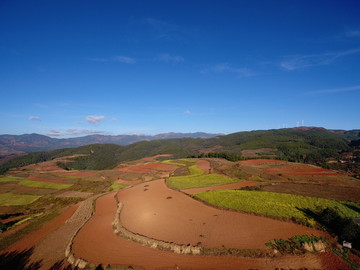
329,148
20,144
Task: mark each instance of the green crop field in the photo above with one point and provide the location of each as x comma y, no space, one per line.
38,184
276,204
116,186
198,178
10,179
9,199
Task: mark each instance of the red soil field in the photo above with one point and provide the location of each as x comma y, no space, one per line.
32,239
301,171
154,210
97,244
221,187
34,178
80,174
204,165
149,168
260,161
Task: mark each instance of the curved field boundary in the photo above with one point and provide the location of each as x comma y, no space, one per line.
120,230
80,217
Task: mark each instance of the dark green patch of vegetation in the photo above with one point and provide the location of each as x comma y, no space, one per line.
343,227
227,156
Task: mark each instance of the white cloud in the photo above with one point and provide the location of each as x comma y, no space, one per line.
334,90
73,132
187,111
351,33
295,62
167,58
34,118
94,119
121,59
125,59
225,67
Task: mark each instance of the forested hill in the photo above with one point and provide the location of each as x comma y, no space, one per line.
20,144
312,145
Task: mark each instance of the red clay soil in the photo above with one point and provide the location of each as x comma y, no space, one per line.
332,262
164,214
301,171
97,244
34,238
222,187
34,178
260,161
149,168
128,182
80,174
203,165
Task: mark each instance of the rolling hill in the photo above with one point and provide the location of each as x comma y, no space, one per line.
307,145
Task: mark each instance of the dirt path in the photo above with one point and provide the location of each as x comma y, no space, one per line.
52,248
97,244
221,187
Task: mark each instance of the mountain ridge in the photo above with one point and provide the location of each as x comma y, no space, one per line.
33,142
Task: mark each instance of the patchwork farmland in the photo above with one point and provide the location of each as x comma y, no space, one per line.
164,213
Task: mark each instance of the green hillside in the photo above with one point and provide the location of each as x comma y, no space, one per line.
313,146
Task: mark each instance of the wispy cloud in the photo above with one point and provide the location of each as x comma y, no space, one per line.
225,67
94,119
34,118
165,30
120,59
295,62
73,132
167,58
187,111
334,90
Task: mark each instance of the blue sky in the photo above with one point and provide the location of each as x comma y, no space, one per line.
74,68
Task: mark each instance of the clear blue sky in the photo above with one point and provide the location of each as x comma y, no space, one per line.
71,68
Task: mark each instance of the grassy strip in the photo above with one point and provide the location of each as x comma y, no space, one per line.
9,199
276,204
117,186
197,178
10,179
39,184
205,180
179,162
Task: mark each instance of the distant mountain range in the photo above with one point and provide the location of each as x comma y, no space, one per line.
20,144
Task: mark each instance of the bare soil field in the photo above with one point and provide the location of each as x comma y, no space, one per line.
97,244
158,212
74,194
322,191
204,165
220,187
148,168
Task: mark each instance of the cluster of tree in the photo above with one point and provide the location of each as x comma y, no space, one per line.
228,156
345,228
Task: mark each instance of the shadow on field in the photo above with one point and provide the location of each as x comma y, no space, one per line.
20,260
344,228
